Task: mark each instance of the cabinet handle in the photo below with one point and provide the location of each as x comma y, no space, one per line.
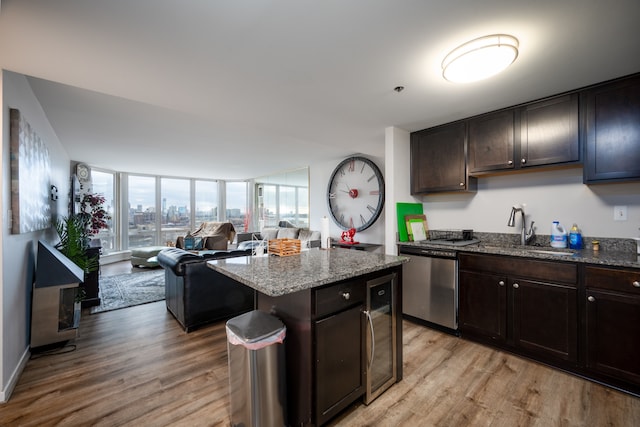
523,161
591,299
461,184
346,295
510,162
501,283
516,286
636,284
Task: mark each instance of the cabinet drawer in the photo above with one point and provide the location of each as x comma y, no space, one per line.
338,297
548,271
613,279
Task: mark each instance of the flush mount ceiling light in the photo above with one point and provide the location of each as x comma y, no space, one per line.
480,58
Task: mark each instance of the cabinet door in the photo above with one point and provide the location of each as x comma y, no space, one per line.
613,132
492,142
482,308
339,355
438,160
612,331
549,132
545,319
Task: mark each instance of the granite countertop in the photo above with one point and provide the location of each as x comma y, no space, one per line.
611,255
276,276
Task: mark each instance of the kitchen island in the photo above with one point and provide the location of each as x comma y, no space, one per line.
322,297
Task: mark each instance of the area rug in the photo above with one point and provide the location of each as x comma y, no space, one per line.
127,290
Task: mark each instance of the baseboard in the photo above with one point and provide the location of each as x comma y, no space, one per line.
15,376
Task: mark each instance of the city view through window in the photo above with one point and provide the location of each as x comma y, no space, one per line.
160,209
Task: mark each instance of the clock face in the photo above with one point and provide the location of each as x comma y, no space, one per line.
355,194
83,172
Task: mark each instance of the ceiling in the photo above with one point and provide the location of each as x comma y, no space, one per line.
238,89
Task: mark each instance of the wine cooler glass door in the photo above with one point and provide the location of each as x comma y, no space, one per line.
381,336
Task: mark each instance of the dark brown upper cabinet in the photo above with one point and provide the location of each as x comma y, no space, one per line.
549,132
543,133
612,130
438,160
492,142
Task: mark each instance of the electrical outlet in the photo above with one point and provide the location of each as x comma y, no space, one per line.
619,213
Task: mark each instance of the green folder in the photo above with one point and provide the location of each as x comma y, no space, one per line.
403,209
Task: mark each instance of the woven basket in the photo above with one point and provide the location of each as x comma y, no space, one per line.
284,247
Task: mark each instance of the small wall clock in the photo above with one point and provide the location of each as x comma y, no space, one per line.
355,194
83,172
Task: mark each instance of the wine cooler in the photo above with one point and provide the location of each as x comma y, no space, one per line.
380,335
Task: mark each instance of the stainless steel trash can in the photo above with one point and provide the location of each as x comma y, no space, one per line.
257,386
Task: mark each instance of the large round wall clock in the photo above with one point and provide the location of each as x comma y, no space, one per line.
355,193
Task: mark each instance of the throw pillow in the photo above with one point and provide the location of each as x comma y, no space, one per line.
269,233
288,233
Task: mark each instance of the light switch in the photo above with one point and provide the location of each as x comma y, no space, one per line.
619,213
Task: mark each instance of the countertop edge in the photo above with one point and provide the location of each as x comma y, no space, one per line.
603,258
295,280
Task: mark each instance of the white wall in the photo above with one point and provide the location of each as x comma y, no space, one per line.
18,250
319,175
551,195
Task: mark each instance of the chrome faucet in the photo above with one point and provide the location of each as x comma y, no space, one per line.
525,237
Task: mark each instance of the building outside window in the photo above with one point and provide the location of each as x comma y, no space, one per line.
236,205
175,219
103,183
206,202
141,211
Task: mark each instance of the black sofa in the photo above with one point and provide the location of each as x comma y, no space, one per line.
195,294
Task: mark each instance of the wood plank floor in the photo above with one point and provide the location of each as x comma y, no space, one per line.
136,367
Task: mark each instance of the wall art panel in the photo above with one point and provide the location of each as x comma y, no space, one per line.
30,177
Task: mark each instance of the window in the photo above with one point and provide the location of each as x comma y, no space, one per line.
206,202
283,197
236,212
176,212
142,211
268,203
103,183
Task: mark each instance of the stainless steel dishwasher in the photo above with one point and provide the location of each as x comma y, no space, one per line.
430,286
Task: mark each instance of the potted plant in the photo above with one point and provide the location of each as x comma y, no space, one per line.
75,232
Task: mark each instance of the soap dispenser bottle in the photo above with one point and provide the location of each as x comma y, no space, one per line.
575,237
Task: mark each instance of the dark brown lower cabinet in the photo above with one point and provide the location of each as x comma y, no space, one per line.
483,305
339,373
514,303
545,319
540,309
612,302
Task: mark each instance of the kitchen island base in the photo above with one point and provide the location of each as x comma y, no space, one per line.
326,350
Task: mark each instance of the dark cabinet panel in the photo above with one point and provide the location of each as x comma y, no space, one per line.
509,302
612,331
339,352
550,132
492,142
612,302
438,160
543,133
91,284
545,319
483,305
612,129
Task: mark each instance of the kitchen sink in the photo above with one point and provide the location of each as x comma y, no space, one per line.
558,253
529,249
